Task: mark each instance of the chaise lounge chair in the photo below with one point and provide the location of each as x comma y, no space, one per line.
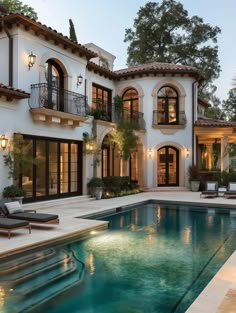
211,190
231,191
9,225
14,210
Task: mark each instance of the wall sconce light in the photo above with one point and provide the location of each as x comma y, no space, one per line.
149,153
89,147
187,153
31,60
4,142
79,80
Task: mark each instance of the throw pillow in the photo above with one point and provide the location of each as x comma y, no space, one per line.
14,207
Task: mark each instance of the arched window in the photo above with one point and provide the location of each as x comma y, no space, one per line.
167,106
55,80
131,105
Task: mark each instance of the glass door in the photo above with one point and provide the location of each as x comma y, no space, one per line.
168,168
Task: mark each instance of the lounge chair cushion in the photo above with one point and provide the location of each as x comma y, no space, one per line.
232,187
13,207
34,217
211,186
11,223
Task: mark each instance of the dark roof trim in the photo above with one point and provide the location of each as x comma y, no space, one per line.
13,93
49,34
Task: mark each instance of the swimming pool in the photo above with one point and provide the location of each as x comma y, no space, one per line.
154,258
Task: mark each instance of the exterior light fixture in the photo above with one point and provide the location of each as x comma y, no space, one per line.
3,142
79,80
187,153
31,60
149,153
89,147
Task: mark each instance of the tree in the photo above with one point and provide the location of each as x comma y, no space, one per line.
72,31
165,33
125,138
16,6
229,105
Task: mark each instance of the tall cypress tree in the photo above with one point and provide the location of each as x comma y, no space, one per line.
72,31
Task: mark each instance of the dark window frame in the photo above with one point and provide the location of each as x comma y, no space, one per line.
166,112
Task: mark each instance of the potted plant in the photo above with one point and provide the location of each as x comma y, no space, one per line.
95,186
194,177
14,193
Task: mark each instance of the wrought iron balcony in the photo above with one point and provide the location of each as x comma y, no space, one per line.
157,120
53,98
101,110
127,115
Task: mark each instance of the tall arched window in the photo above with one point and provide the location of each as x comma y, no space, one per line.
55,80
131,105
167,106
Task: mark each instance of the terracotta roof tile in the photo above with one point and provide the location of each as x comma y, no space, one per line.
158,67
12,92
208,122
31,24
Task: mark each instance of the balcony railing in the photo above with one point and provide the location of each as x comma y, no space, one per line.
127,115
53,98
181,119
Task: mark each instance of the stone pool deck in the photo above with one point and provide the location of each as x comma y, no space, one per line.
218,297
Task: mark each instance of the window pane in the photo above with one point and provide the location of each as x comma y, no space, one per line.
64,167
40,168
74,168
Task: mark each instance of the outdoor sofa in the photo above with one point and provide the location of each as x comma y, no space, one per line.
211,190
231,190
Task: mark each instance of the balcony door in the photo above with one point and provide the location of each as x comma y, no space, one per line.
55,79
168,166
131,105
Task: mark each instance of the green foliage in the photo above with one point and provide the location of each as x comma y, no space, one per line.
116,183
193,173
72,31
13,191
16,6
229,105
95,182
223,178
118,103
124,137
165,33
116,186
19,159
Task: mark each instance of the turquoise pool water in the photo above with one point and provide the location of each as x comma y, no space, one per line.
154,259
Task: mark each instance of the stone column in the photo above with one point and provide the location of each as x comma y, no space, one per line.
224,154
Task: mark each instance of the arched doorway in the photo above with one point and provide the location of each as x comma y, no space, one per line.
168,166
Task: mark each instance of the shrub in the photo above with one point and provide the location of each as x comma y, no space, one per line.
13,191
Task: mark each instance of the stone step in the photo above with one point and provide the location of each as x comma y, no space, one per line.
167,189
57,202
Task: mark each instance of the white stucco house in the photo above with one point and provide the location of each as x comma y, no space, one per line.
52,99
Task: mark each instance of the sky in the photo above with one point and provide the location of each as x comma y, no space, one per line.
103,22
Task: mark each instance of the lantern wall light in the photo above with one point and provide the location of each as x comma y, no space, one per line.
31,60
3,142
79,80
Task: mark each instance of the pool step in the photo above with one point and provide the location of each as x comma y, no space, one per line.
25,261
39,268
44,280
